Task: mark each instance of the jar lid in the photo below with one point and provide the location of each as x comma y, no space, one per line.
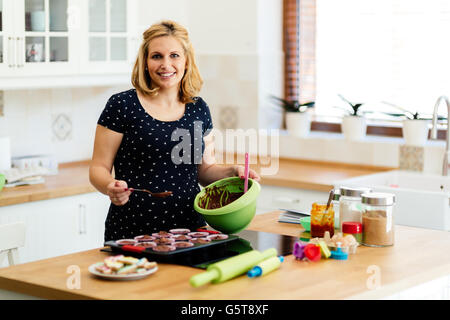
351,227
378,198
353,192
337,194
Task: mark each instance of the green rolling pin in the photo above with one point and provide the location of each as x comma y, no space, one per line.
232,267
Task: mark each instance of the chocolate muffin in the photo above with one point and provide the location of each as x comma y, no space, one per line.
200,240
198,234
144,237
162,234
216,237
164,248
146,244
181,237
164,241
183,244
179,231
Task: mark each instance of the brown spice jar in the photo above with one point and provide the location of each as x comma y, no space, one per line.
377,229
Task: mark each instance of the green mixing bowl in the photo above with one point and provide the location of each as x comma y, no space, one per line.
2,181
237,215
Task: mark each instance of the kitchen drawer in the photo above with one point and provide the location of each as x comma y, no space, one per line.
274,198
59,226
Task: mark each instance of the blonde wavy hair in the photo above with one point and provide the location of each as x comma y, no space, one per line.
191,82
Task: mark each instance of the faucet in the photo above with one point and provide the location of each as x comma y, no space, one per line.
434,132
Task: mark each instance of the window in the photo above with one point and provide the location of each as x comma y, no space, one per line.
372,52
375,51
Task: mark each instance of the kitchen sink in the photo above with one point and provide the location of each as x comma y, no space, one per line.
422,200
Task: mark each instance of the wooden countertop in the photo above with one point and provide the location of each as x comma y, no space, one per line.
418,256
73,178
314,175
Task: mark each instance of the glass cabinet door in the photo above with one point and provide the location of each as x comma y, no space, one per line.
46,32
107,30
1,33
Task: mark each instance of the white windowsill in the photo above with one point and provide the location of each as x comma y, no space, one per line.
372,150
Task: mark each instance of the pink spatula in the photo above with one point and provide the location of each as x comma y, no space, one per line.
246,173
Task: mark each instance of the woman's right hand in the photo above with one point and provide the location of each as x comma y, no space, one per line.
118,192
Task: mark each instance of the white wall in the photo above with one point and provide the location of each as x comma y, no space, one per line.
31,121
271,62
215,27
238,49
151,12
239,53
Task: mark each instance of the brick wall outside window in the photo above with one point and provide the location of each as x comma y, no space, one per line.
307,52
299,47
291,48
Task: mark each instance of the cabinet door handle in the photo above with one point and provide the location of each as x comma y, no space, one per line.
82,219
20,51
16,51
11,55
80,222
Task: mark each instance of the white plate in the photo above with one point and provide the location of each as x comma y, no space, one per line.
132,276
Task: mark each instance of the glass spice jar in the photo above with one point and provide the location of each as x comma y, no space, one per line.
335,202
350,206
353,228
378,219
322,220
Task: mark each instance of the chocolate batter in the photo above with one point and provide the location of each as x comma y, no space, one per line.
218,197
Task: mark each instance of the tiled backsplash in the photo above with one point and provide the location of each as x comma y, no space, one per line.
60,122
411,158
231,83
372,151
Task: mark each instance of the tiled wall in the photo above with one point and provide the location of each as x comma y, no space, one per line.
332,147
62,122
59,122
231,83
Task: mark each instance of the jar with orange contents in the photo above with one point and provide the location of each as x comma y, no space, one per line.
322,220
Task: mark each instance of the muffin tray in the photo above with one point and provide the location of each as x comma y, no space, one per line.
196,253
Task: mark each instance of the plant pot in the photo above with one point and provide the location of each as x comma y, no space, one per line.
298,124
415,132
354,127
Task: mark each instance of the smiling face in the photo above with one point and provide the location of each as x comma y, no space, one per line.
166,62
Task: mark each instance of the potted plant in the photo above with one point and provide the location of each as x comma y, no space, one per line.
298,120
414,127
353,124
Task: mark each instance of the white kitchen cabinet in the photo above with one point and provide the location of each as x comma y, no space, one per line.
274,198
110,41
38,39
59,226
69,42
437,289
6,43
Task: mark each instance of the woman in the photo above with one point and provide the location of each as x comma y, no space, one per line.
155,137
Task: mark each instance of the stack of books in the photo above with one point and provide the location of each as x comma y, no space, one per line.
24,176
292,216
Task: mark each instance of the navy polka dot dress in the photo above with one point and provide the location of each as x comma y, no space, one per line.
158,156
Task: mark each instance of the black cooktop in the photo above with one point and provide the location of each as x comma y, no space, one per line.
202,256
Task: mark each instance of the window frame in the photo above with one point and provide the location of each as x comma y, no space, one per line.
293,52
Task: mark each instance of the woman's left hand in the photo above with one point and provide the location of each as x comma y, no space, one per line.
240,172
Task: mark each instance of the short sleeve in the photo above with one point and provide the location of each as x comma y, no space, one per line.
206,115
112,116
